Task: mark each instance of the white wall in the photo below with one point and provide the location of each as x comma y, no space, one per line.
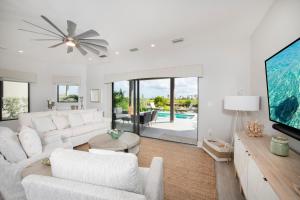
226,70
44,88
279,28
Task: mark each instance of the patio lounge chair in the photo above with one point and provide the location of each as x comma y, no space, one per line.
145,118
154,116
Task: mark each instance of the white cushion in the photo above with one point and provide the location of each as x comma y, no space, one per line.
52,137
143,172
30,141
64,133
79,130
10,146
115,171
43,124
61,122
98,125
25,119
87,116
75,119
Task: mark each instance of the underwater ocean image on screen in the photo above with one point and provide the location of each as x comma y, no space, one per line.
283,77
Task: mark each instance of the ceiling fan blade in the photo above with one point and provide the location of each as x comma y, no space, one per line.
87,34
95,51
53,25
71,28
48,39
54,36
99,47
42,28
82,51
56,45
96,41
70,49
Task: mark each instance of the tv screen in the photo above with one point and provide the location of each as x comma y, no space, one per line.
283,83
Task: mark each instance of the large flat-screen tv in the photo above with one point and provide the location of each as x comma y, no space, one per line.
283,83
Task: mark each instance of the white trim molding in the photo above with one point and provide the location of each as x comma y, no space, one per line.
12,75
179,71
66,80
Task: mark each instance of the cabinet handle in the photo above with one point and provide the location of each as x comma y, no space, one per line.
246,151
265,179
249,154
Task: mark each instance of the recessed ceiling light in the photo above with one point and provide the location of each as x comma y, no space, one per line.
90,59
117,53
21,51
152,45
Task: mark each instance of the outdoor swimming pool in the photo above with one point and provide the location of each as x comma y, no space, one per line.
177,115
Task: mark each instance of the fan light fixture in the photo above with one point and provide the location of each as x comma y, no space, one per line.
70,44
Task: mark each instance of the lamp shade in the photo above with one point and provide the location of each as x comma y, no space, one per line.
241,103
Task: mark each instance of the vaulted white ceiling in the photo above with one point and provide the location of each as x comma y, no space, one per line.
126,24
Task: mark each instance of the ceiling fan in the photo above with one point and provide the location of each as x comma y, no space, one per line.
84,42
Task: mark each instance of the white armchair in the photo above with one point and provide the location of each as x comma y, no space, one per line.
39,187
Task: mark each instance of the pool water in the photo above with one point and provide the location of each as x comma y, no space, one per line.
177,115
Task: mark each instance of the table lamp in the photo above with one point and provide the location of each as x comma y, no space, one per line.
241,104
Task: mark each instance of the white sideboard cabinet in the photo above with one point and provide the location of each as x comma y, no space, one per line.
262,175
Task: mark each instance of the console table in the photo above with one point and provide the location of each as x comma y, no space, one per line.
262,174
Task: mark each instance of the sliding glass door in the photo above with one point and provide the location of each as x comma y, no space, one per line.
155,97
124,106
165,108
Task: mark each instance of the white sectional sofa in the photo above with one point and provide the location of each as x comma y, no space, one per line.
56,129
13,159
74,126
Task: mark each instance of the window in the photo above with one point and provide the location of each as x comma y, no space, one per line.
15,99
67,93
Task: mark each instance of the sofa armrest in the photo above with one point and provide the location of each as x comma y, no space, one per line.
154,188
107,121
51,188
10,180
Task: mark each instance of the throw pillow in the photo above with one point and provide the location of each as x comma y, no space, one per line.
75,119
30,141
115,171
61,122
43,124
10,146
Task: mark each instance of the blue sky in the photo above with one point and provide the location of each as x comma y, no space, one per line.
161,87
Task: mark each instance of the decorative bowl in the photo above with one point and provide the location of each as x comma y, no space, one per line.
115,134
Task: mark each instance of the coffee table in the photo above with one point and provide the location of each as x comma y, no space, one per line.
128,142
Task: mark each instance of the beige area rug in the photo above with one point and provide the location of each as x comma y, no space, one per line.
189,173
